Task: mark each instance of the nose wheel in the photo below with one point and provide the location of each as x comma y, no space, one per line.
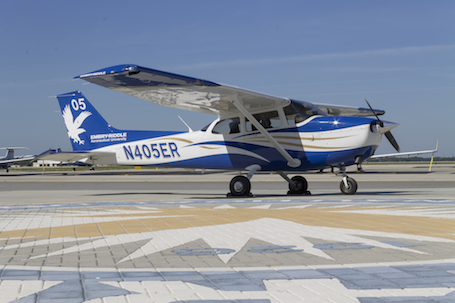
348,186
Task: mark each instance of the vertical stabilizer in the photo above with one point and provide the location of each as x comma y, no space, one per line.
86,128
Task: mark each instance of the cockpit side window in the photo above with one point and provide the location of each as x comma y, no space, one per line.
267,120
227,126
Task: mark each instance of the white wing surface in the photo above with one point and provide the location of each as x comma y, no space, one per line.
195,94
178,91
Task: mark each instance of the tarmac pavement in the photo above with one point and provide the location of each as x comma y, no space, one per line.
173,236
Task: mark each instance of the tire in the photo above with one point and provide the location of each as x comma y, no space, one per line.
240,186
301,186
351,188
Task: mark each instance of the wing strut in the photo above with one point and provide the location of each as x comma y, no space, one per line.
292,162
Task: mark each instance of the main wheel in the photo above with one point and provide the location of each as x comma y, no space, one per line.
351,188
301,186
240,186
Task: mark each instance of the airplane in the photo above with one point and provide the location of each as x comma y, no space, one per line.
253,131
9,159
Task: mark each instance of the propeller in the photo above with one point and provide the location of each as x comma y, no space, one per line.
388,134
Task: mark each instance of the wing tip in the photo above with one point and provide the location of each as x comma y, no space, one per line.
109,70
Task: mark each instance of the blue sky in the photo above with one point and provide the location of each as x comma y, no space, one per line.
400,55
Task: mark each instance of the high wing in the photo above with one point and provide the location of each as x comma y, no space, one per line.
74,156
178,91
195,94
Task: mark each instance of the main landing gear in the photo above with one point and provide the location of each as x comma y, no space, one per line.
240,186
298,185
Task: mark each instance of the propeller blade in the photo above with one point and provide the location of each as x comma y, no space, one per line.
379,120
387,134
392,141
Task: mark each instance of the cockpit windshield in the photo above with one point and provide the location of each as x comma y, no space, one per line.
299,111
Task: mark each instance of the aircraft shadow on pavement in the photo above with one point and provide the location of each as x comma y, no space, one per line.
213,196
148,172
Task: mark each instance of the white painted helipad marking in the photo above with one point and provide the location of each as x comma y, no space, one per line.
296,207
224,206
279,232
277,291
15,290
265,206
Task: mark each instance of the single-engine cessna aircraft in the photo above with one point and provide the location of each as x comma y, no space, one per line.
253,131
9,159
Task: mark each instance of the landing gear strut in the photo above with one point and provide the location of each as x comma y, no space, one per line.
348,186
300,188
298,185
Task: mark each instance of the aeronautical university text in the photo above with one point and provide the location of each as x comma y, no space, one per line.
108,137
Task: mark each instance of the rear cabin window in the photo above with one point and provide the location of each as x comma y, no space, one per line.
267,120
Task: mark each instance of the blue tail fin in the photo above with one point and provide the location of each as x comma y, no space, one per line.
86,128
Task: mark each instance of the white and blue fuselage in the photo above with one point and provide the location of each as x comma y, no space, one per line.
318,141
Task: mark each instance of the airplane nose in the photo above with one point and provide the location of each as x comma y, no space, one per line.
387,126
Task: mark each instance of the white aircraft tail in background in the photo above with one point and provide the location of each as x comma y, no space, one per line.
9,159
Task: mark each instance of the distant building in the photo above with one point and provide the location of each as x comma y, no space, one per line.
46,163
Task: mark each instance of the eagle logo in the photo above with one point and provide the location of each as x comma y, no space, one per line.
74,126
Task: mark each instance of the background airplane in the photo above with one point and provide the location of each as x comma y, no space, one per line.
253,132
10,159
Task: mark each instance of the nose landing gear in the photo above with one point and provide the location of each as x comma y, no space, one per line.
348,186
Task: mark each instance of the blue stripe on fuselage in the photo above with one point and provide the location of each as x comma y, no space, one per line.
311,161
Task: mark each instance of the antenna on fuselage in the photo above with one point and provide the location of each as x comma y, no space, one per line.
189,128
